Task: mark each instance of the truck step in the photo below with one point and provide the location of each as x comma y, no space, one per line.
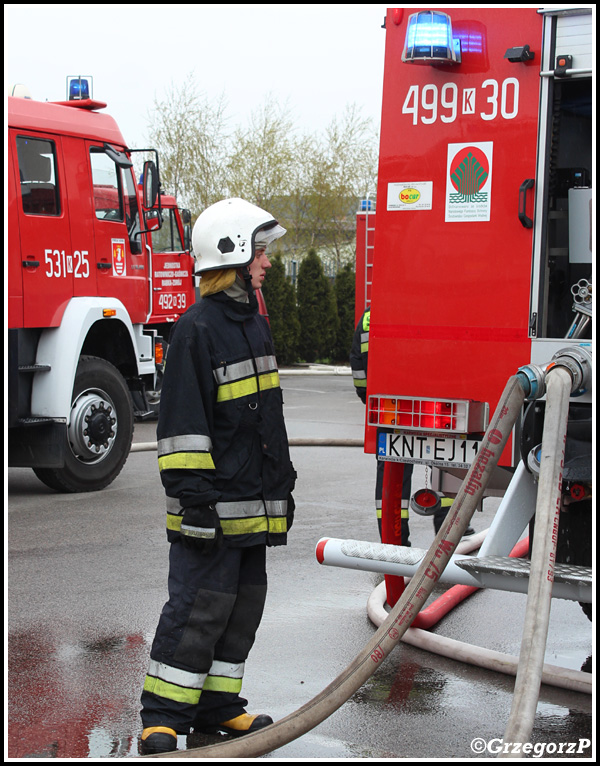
34,368
144,414
35,421
514,567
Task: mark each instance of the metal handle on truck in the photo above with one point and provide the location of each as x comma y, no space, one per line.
523,217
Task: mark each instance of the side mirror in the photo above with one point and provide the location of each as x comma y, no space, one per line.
187,236
151,184
152,218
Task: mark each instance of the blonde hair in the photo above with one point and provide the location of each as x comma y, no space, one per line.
216,281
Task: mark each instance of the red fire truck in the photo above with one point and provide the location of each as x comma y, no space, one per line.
481,254
97,273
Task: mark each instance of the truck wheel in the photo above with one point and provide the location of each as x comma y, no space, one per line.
99,433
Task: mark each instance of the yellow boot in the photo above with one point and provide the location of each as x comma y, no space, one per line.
158,739
240,725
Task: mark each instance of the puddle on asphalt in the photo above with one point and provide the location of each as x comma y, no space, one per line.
77,699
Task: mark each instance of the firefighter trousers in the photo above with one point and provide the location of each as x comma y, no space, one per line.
204,635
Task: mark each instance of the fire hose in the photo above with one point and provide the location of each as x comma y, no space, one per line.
402,614
559,383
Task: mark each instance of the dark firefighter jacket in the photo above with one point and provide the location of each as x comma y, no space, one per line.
359,355
221,433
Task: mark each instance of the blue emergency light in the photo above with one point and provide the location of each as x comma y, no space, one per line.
429,39
78,89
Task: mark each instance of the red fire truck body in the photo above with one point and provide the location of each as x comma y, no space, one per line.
482,257
477,269
93,284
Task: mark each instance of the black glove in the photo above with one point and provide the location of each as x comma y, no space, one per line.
201,528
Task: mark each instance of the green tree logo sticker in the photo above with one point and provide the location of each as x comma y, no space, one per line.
469,172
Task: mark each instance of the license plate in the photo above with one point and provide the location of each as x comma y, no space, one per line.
416,448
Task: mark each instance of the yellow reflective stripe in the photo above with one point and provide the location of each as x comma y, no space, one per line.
360,383
403,513
173,522
236,390
189,460
367,320
364,347
278,524
244,526
247,387
269,380
172,691
222,684
240,526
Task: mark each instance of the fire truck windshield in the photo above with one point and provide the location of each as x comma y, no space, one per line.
168,238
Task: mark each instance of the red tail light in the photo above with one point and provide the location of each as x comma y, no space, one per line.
424,414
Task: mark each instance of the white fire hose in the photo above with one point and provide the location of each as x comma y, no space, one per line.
543,557
403,613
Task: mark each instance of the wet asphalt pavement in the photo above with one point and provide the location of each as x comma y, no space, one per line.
87,580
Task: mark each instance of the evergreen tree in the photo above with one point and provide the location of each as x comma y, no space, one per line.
280,297
316,309
345,290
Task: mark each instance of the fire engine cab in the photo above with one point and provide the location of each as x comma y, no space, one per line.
478,258
94,285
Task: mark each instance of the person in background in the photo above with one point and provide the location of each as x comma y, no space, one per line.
225,466
359,363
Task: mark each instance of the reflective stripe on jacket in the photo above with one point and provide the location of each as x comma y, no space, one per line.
221,433
359,355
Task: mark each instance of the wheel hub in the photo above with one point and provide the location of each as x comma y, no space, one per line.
93,426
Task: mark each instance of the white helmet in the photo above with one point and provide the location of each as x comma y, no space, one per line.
225,234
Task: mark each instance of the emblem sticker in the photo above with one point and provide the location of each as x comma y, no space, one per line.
469,182
119,262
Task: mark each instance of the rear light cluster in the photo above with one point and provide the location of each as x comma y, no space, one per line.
422,414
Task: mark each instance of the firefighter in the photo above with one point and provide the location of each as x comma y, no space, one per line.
359,361
224,463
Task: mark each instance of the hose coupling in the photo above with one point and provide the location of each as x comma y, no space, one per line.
532,378
577,360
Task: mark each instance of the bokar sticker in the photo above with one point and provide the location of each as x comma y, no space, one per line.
415,195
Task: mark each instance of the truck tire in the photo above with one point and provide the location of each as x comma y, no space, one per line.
99,433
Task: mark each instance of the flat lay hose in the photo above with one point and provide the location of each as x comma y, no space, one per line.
402,614
543,558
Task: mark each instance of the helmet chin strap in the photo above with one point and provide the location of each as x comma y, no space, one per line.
244,271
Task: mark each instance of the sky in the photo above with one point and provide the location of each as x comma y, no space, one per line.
313,59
